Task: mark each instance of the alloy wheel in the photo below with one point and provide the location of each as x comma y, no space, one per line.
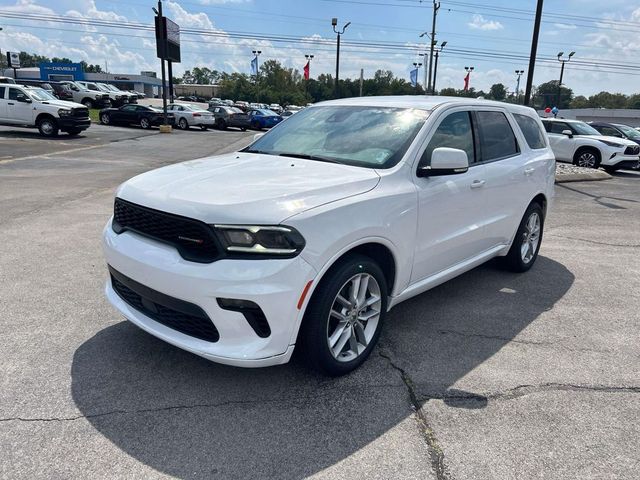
47,127
144,123
587,159
530,238
354,316
105,119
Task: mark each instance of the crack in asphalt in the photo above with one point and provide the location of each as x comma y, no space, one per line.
436,452
595,241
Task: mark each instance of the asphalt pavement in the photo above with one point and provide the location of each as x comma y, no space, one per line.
490,376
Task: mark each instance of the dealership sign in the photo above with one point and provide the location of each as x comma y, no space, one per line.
167,39
13,59
61,71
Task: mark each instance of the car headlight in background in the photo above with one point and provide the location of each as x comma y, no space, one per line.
64,112
262,240
611,144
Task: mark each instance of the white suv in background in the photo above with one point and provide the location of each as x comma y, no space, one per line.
576,142
307,237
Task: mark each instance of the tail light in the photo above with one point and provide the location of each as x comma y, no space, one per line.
197,115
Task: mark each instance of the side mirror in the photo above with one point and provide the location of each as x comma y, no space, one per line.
257,136
445,161
23,98
568,133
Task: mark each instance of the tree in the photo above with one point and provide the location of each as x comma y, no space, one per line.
201,76
61,60
547,95
608,100
498,92
90,68
580,102
633,101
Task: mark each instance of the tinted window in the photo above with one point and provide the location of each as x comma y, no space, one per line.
454,132
496,136
612,132
557,127
1,92
13,93
129,108
531,131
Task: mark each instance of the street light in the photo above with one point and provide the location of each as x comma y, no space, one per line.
334,24
256,54
435,68
563,61
468,70
417,65
519,74
309,58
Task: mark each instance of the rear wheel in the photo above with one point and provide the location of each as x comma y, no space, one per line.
183,124
203,127
221,124
105,119
344,318
48,127
87,102
244,129
587,157
145,123
526,244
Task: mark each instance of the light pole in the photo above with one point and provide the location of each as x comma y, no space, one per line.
334,23
519,74
435,68
256,54
417,65
309,58
158,12
563,61
468,81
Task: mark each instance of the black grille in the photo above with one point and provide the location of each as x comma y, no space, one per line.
80,112
194,239
632,150
179,315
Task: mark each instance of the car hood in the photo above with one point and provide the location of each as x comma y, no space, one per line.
246,188
621,141
63,104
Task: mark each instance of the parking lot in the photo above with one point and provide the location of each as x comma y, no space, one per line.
491,376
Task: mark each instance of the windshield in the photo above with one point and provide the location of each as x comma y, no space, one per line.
629,132
583,129
234,110
40,95
102,87
374,137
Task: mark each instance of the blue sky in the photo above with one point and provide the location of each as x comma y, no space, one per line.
468,27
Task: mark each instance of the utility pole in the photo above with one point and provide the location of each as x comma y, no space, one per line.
334,23
436,7
158,12
534,51
170,72
435,68
563,61
519,74
361,80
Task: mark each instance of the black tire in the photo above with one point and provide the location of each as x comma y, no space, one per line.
609,168
183,124
221,124
105,119
314,332
74,131
48,127
87,102
514,260
587,157
256,126
204,127
243,129
145,123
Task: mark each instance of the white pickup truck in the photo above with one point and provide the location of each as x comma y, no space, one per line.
88,98
34,107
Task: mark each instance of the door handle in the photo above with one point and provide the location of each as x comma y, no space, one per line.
529,171
10,103
478,183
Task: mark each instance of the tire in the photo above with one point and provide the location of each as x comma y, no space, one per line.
518,259
74,131
243,129
347,324
221,124
587,157
87,102
183,124
145,123
48,127
105,119
204,127
609,168
256,126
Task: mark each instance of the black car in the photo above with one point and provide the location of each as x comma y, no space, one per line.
230,117
133,114
618,130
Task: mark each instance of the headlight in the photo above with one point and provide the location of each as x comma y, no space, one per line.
262,240
63,112
611,144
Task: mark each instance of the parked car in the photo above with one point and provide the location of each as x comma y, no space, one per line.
25,106
260,119
307,237
7,80
619,130
191,116
228,102
274,107
131,97
576,142
242,105
39,84
88,98
140,95
62,91
115,99
145,117
230,117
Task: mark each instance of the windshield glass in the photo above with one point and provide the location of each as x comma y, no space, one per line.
584,129
234,110
629,132
374,137
40,95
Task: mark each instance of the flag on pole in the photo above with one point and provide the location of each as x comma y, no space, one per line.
466,81
254,66
413,75
306,71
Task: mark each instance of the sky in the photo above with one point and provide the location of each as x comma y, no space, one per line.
384,34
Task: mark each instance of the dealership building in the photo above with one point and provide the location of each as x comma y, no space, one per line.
145,82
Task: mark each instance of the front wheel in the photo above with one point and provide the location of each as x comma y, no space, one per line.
48,127
526,244
183,124
145,123
88,103
588,158
344,318
105,119
243,129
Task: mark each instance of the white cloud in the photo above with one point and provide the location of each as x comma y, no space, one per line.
565,26
481,23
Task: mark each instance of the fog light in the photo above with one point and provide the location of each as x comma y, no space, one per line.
252,313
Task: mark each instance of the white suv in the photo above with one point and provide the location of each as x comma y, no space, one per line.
579,143
312,233
35,107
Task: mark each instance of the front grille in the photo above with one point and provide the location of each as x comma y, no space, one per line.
80,112
171,312
632,150
194,240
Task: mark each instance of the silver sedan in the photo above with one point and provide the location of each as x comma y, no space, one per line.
191,116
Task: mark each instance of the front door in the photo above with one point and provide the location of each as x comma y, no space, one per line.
19,111
451,208
562,145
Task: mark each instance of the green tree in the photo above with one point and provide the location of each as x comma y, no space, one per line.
608,100
580,102
497,92
547,95
89,68
634,101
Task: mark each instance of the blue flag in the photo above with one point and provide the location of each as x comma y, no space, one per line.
413,75
254,66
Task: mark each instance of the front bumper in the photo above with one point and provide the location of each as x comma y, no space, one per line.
621,161
75,123
274,285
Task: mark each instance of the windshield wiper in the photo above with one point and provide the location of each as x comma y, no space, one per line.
308,157
252,150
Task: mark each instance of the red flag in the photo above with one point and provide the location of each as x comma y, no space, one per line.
306,71
466,82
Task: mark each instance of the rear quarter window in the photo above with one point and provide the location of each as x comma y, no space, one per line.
531,131
496,136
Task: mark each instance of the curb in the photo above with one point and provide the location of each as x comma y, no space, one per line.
582,177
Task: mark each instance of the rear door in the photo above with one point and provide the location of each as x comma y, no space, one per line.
3,103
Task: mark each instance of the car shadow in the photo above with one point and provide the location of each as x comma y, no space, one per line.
33,134
190,418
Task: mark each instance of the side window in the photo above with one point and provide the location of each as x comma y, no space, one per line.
129,108
558,127
497,139
2,92
612,132
531,131
13,93
454,131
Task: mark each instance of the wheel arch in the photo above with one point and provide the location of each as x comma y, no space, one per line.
582,148
45,115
